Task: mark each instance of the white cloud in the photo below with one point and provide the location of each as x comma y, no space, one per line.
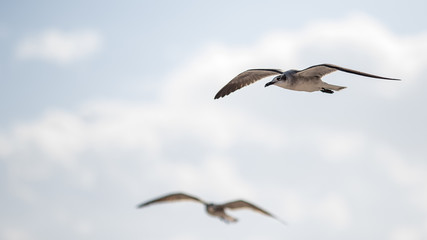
406,233
187,236
60,46
408,171
401,171
217,174
4,146
339,145
328,210
334,211
294,206
14,233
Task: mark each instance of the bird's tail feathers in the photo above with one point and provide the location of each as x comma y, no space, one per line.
228,219
333,87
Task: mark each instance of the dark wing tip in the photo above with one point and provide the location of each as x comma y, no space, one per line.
245,78
141,205
226,90
356,72
219,95
229,88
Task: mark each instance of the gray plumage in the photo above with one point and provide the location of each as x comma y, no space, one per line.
216,210
308,80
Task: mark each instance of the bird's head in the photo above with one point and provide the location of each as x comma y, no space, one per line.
210,208
210,205
275,80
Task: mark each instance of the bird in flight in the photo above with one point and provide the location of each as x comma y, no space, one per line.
216,210
308,80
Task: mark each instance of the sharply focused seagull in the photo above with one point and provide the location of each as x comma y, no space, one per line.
309,79
217,210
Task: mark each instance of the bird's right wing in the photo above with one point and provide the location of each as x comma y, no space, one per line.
245,78
243,204
171,197
323,69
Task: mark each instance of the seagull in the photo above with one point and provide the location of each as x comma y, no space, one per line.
308,80
216,210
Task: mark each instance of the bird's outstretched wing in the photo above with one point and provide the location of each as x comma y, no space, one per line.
245,78
171,197
243,204
323,69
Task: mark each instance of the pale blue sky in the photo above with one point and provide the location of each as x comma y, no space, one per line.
104,105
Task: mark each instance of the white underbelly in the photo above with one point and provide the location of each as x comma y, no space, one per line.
306,86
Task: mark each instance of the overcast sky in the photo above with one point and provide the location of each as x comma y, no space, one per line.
105,105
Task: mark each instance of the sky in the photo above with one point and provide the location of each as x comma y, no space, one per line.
105,105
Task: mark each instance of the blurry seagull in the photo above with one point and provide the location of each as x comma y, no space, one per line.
216,210
309,79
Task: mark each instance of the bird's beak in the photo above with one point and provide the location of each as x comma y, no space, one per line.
269,83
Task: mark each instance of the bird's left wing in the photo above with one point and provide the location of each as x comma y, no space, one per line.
170,198
245,78
323,69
